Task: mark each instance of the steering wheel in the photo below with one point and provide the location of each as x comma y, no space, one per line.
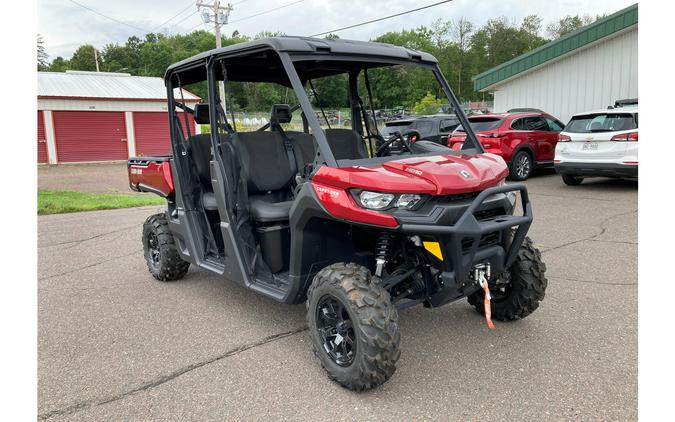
379,140
396,135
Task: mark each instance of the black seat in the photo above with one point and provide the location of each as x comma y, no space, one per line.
267,172
200,149
346,144
303,147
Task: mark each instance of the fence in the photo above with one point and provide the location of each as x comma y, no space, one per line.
249,121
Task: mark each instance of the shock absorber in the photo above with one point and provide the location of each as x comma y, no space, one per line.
382,250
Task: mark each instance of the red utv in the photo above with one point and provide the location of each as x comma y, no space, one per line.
316,214
524,138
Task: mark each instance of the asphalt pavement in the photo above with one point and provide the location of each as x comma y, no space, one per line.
114,344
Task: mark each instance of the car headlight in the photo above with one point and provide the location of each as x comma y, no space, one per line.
375,200
382,200
510,195
408,200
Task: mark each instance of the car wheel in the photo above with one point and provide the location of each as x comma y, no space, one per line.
521,166
572,180
159,249
353,326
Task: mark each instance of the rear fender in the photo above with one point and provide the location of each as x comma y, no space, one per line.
520,145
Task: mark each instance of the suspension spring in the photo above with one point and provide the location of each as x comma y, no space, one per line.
382,251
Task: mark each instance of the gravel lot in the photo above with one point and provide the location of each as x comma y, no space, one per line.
99,178
116,345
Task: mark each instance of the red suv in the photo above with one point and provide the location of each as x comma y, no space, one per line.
524,139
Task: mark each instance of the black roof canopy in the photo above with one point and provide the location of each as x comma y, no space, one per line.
258,60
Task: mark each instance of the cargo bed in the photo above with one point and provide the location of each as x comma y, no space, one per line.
151,174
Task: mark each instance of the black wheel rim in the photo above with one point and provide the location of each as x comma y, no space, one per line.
523,165
153,249
336,330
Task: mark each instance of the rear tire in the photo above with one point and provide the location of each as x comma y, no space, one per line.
160,251
521,167
362,353
525,287
572,180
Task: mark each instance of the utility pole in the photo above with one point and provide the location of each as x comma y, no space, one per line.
96,58
219,15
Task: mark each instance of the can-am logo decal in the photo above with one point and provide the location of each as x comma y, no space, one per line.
466,174
330,192
413,171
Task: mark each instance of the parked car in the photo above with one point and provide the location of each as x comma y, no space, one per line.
599,143
435,128
524,140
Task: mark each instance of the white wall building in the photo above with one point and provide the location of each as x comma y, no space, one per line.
585,70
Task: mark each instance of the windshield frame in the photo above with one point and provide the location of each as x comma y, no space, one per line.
289,60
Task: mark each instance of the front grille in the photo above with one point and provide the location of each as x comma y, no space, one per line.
489,214
488,239
444,199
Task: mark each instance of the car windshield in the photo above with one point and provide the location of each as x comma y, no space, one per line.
481,124
424,127
395,126
602,122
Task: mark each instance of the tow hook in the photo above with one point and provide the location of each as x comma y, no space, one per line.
481,274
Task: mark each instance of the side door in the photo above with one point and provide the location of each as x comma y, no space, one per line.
539,137
445,128
518,134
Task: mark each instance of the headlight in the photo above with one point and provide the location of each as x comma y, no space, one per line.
510,195
382,201
375,200
408,200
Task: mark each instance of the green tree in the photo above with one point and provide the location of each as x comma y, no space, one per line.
42,55
59,64
461,31
429,104
332,91
83,58
566,25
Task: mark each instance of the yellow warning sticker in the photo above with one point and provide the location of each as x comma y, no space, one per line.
434,248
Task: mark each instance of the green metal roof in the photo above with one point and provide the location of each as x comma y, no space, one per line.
574,40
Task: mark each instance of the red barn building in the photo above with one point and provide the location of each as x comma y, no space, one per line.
100,116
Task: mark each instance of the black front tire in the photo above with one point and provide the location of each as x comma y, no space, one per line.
374,321
572,180
521,166
159,249
526,287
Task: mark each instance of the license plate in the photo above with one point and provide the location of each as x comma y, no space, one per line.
590,146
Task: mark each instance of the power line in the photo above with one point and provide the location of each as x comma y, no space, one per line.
108,17
381,19
174,16
266,11
185,18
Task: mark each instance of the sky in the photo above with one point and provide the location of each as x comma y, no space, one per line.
65,25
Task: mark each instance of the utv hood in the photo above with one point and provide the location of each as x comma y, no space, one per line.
435,175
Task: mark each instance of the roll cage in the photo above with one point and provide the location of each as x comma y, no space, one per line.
293,62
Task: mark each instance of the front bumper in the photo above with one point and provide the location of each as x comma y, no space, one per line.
597,169
463,243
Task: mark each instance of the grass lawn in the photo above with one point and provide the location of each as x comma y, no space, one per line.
62,201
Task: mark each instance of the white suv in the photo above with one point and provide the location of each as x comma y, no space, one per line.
599,143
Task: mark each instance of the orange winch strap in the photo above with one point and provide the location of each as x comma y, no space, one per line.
487,306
